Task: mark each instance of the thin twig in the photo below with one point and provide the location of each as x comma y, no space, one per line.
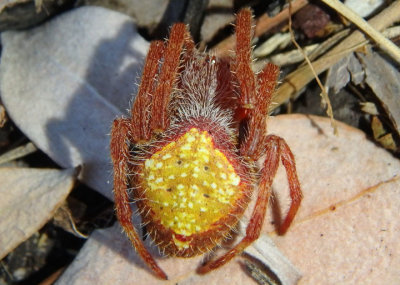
324,95
384,43
18,152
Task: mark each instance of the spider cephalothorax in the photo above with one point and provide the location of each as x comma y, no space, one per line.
198,126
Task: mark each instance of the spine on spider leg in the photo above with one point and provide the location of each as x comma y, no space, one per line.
142,105
168,77
257,127
189,46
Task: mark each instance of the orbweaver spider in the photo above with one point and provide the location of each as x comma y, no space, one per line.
189,150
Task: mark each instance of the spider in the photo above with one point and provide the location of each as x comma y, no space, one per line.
188,152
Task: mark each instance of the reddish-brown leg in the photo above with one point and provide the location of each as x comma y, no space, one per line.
275,148
257,219
120,155
142,106
241,67
257,131
137,129
178,40
261,95
255,92
293,181
149,112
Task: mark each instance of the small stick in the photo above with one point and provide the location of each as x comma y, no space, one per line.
324,95
18,152
384,43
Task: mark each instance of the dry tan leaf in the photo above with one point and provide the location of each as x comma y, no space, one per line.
381,135
29,198
369,108
346,230
290,57
78,73
276,41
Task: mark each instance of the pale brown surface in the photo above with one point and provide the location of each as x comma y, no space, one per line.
29,198
358,242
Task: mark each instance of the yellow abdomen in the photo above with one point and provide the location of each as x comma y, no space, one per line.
190,184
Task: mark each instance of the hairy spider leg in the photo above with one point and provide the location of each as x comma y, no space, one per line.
241,67
140,112
120,135
276,148
149,113
257,142
255,92
254,227
296,195
256,139
256,135
179,40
